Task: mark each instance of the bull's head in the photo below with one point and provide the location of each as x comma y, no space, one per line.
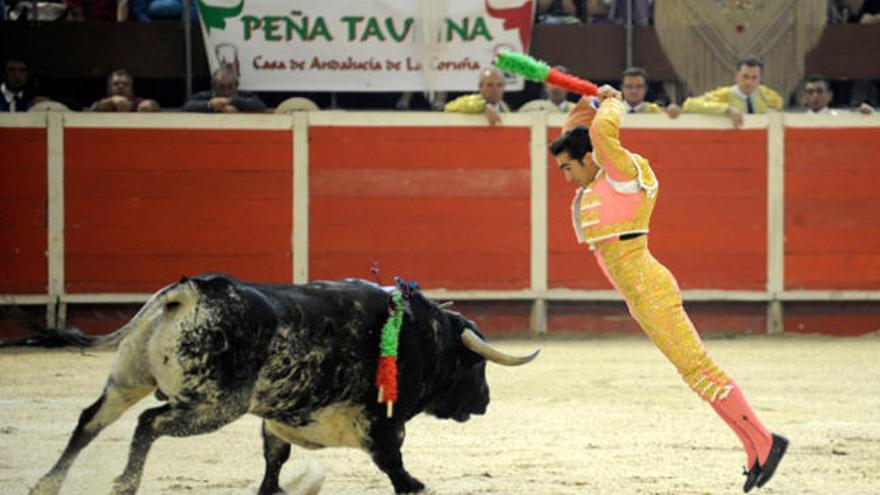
468,392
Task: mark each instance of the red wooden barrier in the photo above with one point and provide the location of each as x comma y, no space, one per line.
23,193
831,208
144,207
447,206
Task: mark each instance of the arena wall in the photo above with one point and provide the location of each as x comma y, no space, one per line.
767,228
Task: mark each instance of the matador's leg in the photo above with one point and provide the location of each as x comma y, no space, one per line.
654,300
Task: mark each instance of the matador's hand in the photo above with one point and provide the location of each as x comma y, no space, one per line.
607,91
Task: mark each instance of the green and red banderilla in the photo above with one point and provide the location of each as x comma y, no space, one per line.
538,71
386,374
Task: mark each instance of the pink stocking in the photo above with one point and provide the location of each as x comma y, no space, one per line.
738,414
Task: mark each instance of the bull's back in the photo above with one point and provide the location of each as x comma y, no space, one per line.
324,351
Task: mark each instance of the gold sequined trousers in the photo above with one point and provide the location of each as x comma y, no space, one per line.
654,300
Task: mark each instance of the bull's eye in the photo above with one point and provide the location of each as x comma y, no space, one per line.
171,306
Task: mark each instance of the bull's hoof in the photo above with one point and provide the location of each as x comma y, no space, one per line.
423,491
415,487
122,487
46,486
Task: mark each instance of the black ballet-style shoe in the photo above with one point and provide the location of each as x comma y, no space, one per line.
777,450
752,476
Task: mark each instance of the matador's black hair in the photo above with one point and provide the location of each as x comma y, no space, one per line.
575,141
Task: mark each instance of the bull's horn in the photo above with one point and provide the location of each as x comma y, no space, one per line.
472,341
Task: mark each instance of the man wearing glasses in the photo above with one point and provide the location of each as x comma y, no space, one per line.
634,84
817,97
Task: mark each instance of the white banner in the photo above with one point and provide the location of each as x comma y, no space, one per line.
363,45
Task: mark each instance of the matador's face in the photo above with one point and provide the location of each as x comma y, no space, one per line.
581,172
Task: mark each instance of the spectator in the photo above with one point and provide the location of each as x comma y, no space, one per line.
817,97
20,10
490,99
160,10
16,93
434,100
96,10
854,11
599,11
224,96
642,12
747,95
634,83
560,11
556,101
120,96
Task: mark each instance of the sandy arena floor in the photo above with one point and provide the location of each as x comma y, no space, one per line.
590,416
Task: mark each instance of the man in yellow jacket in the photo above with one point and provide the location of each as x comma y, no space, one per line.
489,101
748,95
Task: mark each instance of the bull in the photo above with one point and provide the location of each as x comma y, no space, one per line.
301,357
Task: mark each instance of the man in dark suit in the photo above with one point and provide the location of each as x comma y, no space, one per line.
15,94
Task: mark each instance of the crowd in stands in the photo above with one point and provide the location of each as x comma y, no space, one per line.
745,96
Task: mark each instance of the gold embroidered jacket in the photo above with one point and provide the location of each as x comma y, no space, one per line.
719,100
621,198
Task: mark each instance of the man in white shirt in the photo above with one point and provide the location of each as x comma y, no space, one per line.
634,87
817,96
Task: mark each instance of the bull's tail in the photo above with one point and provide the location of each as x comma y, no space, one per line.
45,336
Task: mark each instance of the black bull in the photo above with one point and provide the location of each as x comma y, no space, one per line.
302,357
